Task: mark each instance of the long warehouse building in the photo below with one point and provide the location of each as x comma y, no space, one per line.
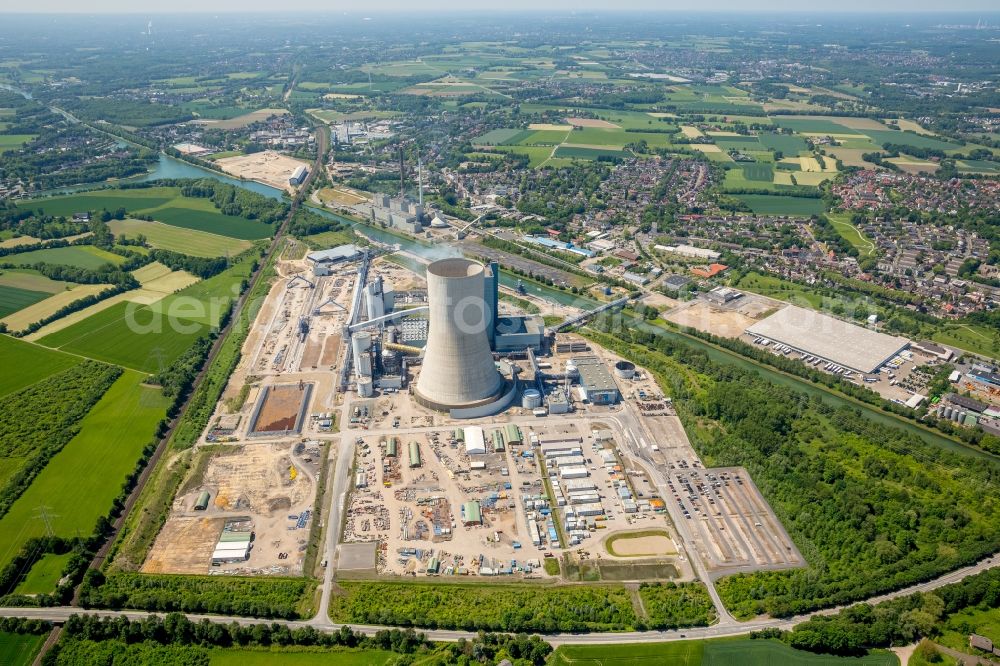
808,332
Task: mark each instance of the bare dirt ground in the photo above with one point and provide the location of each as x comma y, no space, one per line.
280,409
184,546
267,167
706,317
270,483
242,121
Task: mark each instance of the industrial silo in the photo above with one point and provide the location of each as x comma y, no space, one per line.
458,369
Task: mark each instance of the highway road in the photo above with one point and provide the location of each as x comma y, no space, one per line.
322,623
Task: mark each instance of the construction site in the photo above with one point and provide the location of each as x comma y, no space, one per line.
458,437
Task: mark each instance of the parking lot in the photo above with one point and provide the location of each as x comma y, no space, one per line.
732,525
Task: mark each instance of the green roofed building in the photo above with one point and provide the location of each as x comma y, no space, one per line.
472,514
513,435
414,454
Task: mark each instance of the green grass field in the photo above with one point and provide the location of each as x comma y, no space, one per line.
979,166
80,482
815,126
19,649
758,172
768,285
12,141
201,215
32,280
501,137
788,144
163,204
721,652
911,139
13,299
302,657
24,364
974,338
150,337
134,336
103,199
842,223
79,256
44,575
772,204
191,242
576,152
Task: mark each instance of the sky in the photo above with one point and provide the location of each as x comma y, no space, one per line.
374,6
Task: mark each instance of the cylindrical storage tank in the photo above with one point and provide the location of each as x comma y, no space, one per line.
958,416
458,369
531,399
361,342
625,369
366,388
948,412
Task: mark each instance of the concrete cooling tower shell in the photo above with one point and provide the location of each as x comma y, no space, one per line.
457,370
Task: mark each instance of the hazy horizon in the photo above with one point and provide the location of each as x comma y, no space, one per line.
377,7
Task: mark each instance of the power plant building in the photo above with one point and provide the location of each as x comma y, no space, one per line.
596,380
458,371
324,260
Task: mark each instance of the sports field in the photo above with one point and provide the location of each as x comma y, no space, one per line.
720,652
80,482
78,256
772,204
25,363
191,242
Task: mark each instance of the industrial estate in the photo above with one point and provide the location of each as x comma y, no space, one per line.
612,340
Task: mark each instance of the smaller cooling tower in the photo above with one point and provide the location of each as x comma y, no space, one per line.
458,369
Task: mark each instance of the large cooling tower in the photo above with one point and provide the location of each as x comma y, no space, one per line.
458,368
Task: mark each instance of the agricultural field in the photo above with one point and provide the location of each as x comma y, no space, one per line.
13,299
718,652
769,204
130,335
25,363
191,242
78,256
80,482
150,336
163,204
20,649
501,137
14,141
